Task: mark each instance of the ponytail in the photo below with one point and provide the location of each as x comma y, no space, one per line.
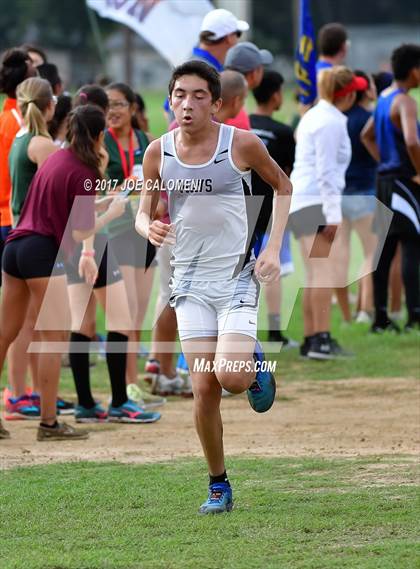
33,96
331,80
85,125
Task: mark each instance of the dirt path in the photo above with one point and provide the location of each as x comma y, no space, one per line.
356,417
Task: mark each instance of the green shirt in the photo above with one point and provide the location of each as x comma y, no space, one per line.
22,170
115,172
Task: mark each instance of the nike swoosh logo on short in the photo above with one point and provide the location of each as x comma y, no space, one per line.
217,161
251,322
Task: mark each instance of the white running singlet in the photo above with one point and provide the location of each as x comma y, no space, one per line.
207,204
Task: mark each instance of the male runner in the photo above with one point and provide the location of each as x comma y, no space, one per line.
205,168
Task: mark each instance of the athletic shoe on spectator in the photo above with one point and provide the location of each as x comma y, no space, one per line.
95,414
164,385
130,412
143,398
277,336
363,317
21,408
60,432
4,433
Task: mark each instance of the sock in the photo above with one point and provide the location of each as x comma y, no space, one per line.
116,360
220,478
274,322
49,426
79,363
324,335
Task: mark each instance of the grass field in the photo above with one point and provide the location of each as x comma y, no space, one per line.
293,514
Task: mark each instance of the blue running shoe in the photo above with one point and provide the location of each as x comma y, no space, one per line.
130,412
95,414
181,364
262,392
65,407
220,499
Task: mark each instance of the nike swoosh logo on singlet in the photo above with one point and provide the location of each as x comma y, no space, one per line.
220,154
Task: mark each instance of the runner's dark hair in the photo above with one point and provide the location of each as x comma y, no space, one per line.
202,70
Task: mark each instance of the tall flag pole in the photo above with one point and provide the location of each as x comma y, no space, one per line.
305,59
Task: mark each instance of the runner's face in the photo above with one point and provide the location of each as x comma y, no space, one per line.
119,110
191,102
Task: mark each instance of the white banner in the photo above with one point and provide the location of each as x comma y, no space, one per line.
172,27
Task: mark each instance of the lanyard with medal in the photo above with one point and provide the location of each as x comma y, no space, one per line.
131,169
127,168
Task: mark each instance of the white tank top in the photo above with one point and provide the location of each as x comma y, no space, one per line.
207,203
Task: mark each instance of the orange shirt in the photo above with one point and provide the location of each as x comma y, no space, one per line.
9,125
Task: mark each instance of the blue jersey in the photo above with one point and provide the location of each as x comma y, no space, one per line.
320,65
394,157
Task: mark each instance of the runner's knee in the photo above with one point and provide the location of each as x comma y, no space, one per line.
206,389
234,382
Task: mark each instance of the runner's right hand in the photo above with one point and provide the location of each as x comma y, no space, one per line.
161,233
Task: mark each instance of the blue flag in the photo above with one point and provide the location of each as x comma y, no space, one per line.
305,62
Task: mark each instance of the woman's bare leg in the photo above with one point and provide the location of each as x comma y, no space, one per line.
53,324
13,310
363,227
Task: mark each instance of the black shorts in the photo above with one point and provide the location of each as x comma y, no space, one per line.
32,257
108,269
133,250
307,221
402,196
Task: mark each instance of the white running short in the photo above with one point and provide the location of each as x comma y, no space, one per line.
213,308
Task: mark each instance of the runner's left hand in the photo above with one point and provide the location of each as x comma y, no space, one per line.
267,267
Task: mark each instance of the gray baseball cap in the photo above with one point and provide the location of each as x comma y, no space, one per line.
245,57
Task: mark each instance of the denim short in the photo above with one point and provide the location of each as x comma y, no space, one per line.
356,206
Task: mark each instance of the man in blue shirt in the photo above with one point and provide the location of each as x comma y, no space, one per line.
332,46
220,30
